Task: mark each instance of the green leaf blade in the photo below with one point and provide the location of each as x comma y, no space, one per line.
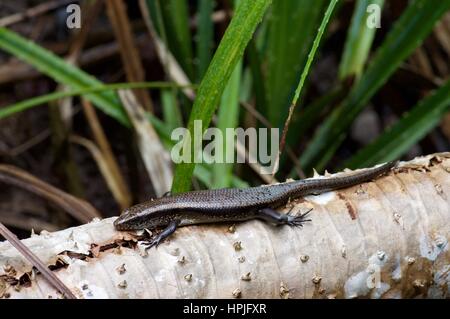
228,117
292,27
409,130
176,18
407,34
205,36
359,40
242,26
62,72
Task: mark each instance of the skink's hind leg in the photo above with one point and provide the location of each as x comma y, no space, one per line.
169,230
273,216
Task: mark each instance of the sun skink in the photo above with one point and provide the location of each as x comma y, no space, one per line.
233,204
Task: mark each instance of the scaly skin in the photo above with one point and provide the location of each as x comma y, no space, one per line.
232,204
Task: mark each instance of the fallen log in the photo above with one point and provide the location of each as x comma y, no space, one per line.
387,238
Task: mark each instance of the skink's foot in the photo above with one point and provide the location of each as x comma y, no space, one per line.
151,243
163,235
299,220
273,216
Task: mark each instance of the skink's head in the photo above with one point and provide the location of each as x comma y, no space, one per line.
148,215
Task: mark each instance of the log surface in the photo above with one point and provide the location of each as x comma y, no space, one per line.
383,239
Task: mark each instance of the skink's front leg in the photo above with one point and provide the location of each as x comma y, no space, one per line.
169,230
273,216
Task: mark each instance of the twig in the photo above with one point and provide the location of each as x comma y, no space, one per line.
113,178
33,12
124,198
78,208
13,217
36,139
36,262
117,13
156,159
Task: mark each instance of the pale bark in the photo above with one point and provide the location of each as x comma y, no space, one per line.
393,232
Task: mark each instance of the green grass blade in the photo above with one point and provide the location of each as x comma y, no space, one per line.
407,34
228,117
409,130
259,83
255,55
312,52
309,116
62,72
231,48
205,36
202,171
161,128
204,174
292,27
171,111
245,93
21,106
306,69
171,22
359,40
176,21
